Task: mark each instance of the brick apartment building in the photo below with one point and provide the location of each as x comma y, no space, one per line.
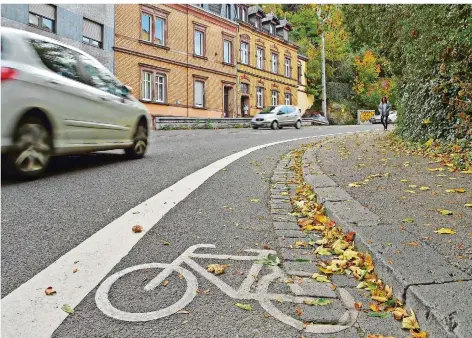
88,27
180,60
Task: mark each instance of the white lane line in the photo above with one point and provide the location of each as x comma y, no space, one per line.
28,312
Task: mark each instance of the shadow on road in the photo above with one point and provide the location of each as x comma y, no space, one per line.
66,164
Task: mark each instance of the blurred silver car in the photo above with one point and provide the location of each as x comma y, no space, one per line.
277,117
58,100
392,118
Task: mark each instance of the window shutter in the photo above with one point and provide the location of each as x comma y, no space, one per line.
92,30
47,11
199,97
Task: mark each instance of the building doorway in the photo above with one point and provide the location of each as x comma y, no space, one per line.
226,91
245,106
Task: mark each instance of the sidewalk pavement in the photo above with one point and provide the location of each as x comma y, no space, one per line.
396,204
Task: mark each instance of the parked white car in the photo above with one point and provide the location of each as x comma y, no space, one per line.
58,100
392,118
277,117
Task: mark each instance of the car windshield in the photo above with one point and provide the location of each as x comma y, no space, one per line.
267,110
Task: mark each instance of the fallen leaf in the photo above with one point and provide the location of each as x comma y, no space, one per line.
137,228
321,218
412,186
358,306
164,283
398,313
301,244
266,247
322,251
423,188
350,236
184,312
354,185
410,322
320,278
67,308
75,270
436,169
49,291
284,193
445,231
413,243
246,307
460,190
403,180
422,334
217,269
445,212
318,302
375,307
270,260
254,200
408,220
469,205
411,191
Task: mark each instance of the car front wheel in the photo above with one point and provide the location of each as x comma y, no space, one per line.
274,125
140,142
32,148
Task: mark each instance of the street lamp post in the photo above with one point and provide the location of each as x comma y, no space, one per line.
323,70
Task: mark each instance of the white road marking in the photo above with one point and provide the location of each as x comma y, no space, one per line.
28,312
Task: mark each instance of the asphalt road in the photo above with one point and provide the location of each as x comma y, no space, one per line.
45,219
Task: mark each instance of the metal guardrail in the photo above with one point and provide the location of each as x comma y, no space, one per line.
159,122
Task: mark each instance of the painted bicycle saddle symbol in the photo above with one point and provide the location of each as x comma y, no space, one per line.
244,292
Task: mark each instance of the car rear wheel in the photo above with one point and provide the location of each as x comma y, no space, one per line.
274,125
32,148
298,125
140,142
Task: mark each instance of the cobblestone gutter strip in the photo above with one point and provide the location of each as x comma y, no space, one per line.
417,276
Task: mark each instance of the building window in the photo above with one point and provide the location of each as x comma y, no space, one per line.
272,29
260,58
199,93
242,13
275,98
299,71
258,23
227,51
275,63
43,16
160,88
92,33
287,67
244,88
199,42
153,28
244,53
228,11
260,97
288,99
146,86
156,92
159,33
146,27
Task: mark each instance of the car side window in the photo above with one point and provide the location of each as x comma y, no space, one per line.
291,109
59,59
99,77
284,110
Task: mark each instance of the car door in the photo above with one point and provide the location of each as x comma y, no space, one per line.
292,115
116,113
283,111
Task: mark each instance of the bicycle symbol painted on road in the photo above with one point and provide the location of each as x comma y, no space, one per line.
242,293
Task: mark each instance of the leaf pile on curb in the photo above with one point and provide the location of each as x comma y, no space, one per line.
346,259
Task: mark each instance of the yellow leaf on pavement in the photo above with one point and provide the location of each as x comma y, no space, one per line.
322,251
217,269
423,188
445,212
469,205
354,185
445,231
349,254
321,218
398,313
410,322
422,334
436,169
460,190
246,307
403,180
320,278
411,191
412,185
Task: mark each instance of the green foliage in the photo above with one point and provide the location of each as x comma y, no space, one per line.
428,48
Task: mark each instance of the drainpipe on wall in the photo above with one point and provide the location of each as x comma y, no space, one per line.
187,62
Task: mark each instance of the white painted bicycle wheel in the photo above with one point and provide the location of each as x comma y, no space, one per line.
104,304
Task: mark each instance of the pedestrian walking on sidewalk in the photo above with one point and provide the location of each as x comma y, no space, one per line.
384,108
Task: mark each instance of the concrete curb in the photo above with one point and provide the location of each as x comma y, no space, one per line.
413,281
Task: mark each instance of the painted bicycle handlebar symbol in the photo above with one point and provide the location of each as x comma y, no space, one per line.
244,292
